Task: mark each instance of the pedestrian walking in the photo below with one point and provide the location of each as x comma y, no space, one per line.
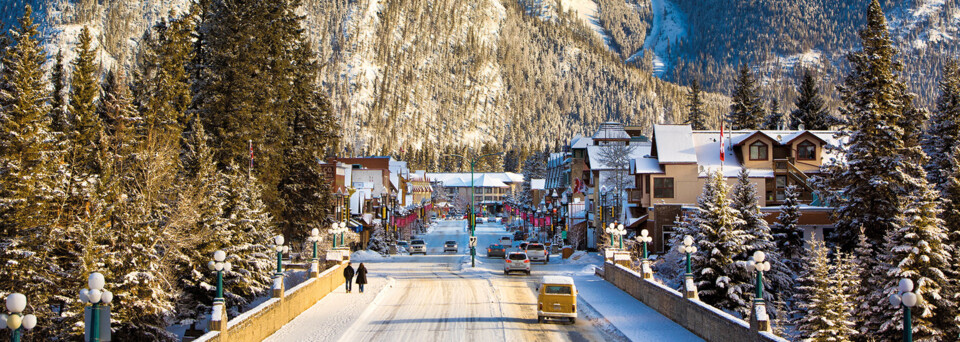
348,277
361,276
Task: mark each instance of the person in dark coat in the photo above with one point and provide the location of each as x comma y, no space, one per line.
361,276
348,277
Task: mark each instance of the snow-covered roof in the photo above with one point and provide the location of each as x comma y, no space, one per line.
556,280
674,144
593,153
611,130
645,166
580,141
538,184
707,145
488,181
454,179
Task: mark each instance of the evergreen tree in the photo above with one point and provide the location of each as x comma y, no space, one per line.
715,229
786,231
252,230
775,119
696,114
746,112
916,250
58,105
811,109
943,132
868,264
950,215
824,305
758,238
86,126
880,171
163,90
27,173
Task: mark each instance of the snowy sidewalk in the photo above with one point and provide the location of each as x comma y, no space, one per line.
633,318
330,317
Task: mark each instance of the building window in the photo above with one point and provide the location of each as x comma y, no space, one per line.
667,235
758,151
663,188
806,151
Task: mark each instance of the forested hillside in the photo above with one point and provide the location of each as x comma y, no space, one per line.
451,74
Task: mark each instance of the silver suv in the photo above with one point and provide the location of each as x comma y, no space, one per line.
516,261
450,246
418,246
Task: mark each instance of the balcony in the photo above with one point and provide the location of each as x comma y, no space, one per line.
635,196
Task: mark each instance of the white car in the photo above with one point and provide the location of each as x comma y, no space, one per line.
418,246
450,246
506,241
516,262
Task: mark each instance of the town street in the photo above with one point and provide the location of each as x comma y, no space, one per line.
439,297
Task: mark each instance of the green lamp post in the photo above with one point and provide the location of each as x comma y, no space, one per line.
473,220
96,296
906,299
219,265
14,318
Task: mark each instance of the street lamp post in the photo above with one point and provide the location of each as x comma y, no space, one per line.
618,230
314,262
95,296
342,230
688,248
333,231
14,319
219,265
280,248
472,223
759,317
644,239
906,299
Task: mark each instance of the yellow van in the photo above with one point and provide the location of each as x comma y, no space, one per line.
557,298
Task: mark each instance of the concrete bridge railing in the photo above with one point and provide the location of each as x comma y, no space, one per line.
706,321
265,319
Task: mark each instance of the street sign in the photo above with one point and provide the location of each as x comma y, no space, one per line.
473,241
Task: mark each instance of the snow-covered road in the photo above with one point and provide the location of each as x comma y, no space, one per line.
439,297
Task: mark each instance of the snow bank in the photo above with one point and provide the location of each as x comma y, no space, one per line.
366,256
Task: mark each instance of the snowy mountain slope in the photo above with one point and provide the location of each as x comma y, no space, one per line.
669,27
586,10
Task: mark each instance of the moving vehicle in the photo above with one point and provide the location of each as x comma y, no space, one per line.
403,246
537,252
496,250
418,246
450,245
506,241
557,298
518,235
516,261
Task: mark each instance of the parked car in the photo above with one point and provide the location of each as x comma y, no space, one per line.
537,252
496,250
403,246
516,261
450,245
418,246
557,298
506,241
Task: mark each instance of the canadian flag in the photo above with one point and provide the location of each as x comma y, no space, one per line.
722,149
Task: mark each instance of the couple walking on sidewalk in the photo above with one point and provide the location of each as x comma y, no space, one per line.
348,276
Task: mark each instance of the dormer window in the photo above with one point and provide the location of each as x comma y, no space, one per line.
806,151
758,151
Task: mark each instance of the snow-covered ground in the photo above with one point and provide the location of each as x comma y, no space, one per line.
669,25
587,11
440,297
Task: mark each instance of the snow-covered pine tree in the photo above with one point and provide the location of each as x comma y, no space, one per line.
210,192
27,173
814,319
162,78
876,178
715,230
811,109
824,296
746,112
916,250
250,250
378,240
58,105
758,238
786,231
696,115
84,88
950,196
943,132
775,119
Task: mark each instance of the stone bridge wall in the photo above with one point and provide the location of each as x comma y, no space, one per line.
705,321
262,321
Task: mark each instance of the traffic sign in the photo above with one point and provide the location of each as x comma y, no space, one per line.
473,241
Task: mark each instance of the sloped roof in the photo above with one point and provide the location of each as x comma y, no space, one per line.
593,153
580,141
538,184
611,130
674,144
645,166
